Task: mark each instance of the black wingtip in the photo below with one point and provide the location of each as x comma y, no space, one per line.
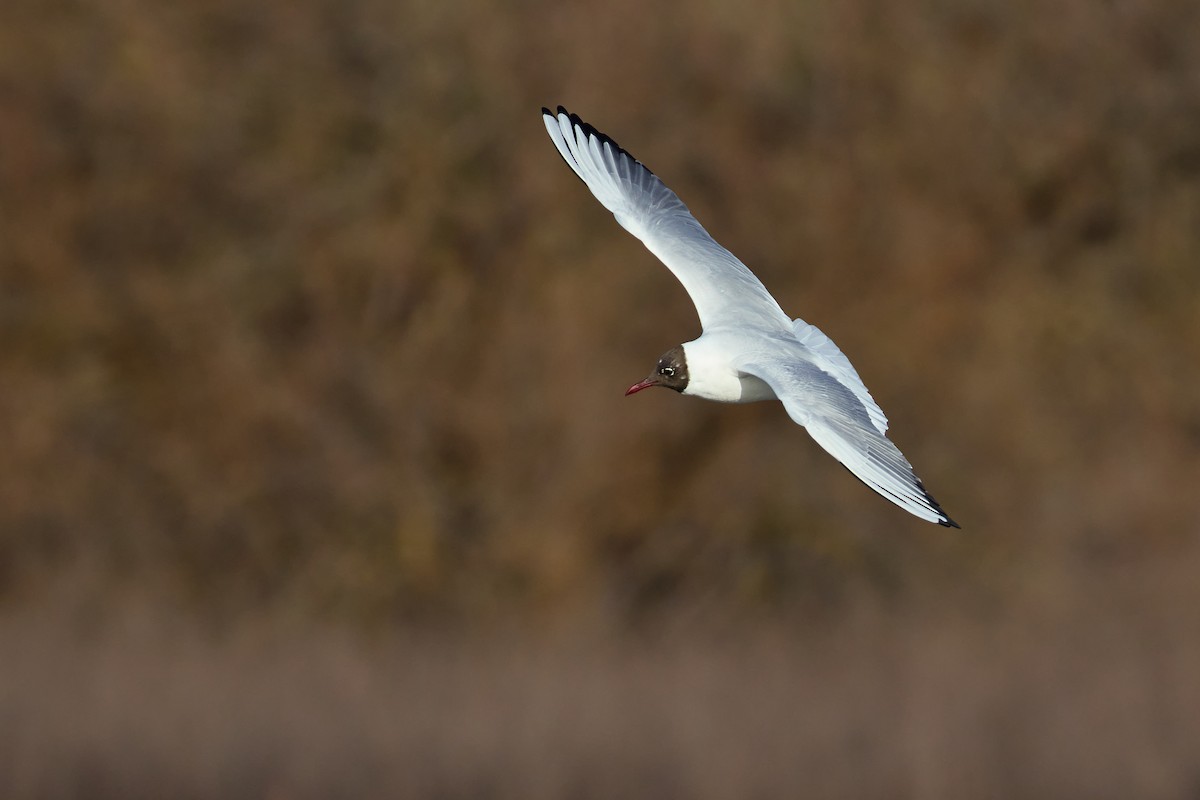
589,131
946,522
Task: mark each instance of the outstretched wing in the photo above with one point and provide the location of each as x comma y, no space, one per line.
827,356
723,289
837,418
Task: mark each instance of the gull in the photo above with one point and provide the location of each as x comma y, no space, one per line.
749,349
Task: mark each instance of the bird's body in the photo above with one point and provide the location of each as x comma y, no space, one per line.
749,349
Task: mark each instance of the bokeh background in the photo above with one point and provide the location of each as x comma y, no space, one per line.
315,474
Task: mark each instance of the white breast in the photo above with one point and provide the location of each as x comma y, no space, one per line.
711,374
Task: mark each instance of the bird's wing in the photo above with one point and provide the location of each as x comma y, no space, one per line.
835,416
723,289
827,356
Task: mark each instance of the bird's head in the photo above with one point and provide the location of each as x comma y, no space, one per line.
670,372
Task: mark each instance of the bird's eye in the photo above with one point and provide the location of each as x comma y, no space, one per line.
668,371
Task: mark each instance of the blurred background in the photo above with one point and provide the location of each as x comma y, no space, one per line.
315,474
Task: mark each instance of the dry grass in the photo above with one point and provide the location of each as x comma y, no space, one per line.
301,318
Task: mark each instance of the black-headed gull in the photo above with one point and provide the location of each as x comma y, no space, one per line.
749,349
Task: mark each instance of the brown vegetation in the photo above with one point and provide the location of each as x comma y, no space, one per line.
302,317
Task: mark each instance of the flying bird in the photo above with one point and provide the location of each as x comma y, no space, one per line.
749,349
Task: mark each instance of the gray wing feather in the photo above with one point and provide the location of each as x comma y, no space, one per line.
831,359
723,289
837,419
